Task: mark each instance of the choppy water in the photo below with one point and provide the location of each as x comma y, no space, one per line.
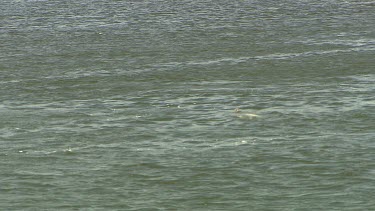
129,105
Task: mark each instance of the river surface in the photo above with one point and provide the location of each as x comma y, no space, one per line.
131,105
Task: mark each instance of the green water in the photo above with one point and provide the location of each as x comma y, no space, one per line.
130,105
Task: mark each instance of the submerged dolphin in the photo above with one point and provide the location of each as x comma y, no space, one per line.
243,115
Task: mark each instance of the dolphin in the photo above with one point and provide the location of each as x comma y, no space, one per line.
243,115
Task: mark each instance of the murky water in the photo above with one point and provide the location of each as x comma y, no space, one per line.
130,105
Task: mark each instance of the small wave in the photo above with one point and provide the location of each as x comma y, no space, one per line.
364,78
11,81
341,42
38,173
358,46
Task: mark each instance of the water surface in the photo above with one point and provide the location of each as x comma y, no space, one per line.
129,105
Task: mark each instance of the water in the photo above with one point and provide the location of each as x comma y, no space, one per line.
129,105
